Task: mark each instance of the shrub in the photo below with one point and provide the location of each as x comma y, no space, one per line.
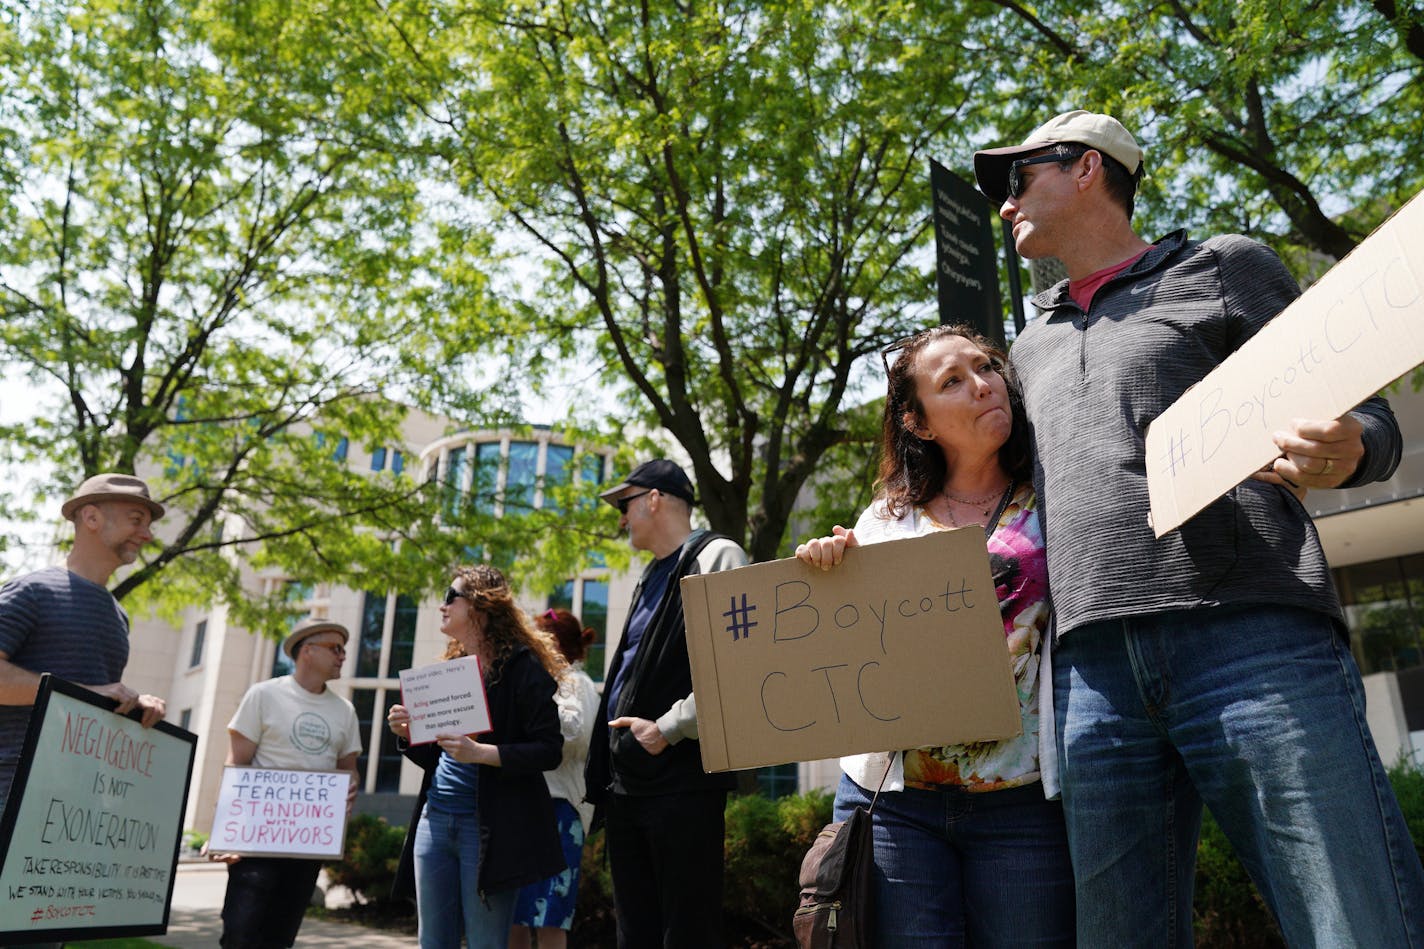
1408,780
373,849
1228,912
594,922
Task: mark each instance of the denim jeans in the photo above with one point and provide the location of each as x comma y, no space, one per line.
952,868
447,897
1259,713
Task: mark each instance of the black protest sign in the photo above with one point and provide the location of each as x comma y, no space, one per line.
90,835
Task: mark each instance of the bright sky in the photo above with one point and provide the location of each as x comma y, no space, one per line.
17,400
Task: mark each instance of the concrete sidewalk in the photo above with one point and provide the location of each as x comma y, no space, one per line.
195,922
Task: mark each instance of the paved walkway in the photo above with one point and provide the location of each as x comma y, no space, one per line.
194,921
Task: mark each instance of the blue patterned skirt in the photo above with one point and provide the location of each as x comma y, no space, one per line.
551,902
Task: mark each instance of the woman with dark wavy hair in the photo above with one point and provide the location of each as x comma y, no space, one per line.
484,823
968,849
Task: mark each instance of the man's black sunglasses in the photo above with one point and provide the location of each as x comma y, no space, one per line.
623,502
1016,181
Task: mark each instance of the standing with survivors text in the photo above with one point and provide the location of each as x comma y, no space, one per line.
1210,665
292,722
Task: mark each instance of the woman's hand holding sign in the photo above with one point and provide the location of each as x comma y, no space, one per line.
827,552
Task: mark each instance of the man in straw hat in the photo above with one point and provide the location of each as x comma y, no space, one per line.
1209,665
293,722
64,620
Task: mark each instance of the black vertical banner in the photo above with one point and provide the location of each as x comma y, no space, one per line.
966,270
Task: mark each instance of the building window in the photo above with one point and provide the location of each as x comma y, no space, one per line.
397,462
364,701
372,636
402,635
185,718
379,764
558,472
297,596
388,761
454,481
485,483
1384,608
591,607
520,482
200,633
378,458
777,781
595,615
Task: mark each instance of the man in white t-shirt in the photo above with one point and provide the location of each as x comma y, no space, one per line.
292,722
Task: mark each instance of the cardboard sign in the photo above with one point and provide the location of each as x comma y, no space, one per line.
89,840
1360,327
445,698
901,646
273,812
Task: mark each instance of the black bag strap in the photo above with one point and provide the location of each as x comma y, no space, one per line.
881,786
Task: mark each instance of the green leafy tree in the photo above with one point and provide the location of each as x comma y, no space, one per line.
1297,123
721,206
211,245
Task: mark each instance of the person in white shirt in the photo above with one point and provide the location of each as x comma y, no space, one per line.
293,722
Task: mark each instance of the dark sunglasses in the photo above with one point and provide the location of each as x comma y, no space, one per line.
1016,181
452,594
623,502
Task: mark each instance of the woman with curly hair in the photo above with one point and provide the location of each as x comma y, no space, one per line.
967,849
484,823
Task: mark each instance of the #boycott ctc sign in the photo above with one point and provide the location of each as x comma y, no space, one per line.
89,838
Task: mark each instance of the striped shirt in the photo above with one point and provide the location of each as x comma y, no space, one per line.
56,621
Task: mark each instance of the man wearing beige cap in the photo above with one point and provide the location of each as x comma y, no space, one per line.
64,621
1208,666
293,722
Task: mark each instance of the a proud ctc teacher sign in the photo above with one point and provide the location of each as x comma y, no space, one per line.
274,812
901,646
91,829
1360,327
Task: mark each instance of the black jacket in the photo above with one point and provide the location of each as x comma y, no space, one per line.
661,675
519,838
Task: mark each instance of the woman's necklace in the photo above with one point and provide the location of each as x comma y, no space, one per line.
983,505
985,502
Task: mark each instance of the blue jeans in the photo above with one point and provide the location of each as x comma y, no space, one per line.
954,868
1259,713
447,897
